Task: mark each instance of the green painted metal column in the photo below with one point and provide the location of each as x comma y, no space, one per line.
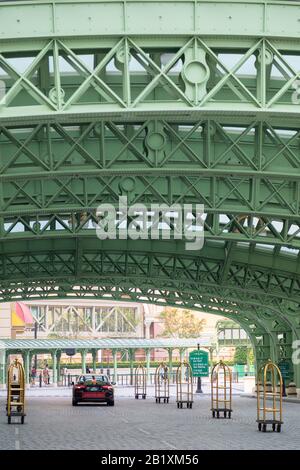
54,367
148,356
181,354
170,352
94,354
26,362
58,355
115,360
83,360
181,357
131,353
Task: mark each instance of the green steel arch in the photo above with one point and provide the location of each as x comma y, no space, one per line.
171,102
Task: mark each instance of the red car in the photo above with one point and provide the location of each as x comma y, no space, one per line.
93,388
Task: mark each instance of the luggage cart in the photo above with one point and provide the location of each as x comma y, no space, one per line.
184,385
162,383
221,390
15,406
269,376
140,382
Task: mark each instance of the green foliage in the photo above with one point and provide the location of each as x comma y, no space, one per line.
241,355
179,323
251,358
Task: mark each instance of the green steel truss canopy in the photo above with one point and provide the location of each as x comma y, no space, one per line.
165,102
48,345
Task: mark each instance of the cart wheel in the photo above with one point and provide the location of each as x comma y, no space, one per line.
229,414
273,427
167,400
136,397
278,428
225,414
181,405
218,414
22,419
264,428
259,426
144,397
177,405
191,405
9,420
213,414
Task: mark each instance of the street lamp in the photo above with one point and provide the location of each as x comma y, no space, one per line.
35,337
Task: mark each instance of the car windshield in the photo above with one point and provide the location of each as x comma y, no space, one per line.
88,379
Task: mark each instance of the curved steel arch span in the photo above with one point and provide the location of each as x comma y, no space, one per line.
120,101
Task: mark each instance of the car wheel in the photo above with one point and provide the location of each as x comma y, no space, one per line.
111,403
74,402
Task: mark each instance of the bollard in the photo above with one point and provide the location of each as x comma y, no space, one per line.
40,379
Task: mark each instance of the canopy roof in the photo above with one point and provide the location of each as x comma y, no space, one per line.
105,343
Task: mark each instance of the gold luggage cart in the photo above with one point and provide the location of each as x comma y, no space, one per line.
140,382
15,406
162,383
270,388
221,390
184,385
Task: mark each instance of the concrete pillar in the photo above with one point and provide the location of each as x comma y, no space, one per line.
147,324
54,368
83,360
94,354
5,321
115,359
148,356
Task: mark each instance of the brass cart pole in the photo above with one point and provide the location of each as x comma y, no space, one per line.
221,390
140,382
184,385
15,406
162,383
266,385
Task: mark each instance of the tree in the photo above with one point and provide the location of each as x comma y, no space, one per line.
179,323
241,355
251,356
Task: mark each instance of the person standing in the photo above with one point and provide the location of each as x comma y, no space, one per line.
33,375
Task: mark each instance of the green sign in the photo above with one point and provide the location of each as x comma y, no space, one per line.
199,363
284,369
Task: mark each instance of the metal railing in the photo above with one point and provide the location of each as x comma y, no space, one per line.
127,379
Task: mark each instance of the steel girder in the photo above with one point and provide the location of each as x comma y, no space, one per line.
129,77
200,109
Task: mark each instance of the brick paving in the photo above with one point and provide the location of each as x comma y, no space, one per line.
52,423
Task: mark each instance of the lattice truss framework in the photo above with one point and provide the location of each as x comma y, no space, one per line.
69,320
127,73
